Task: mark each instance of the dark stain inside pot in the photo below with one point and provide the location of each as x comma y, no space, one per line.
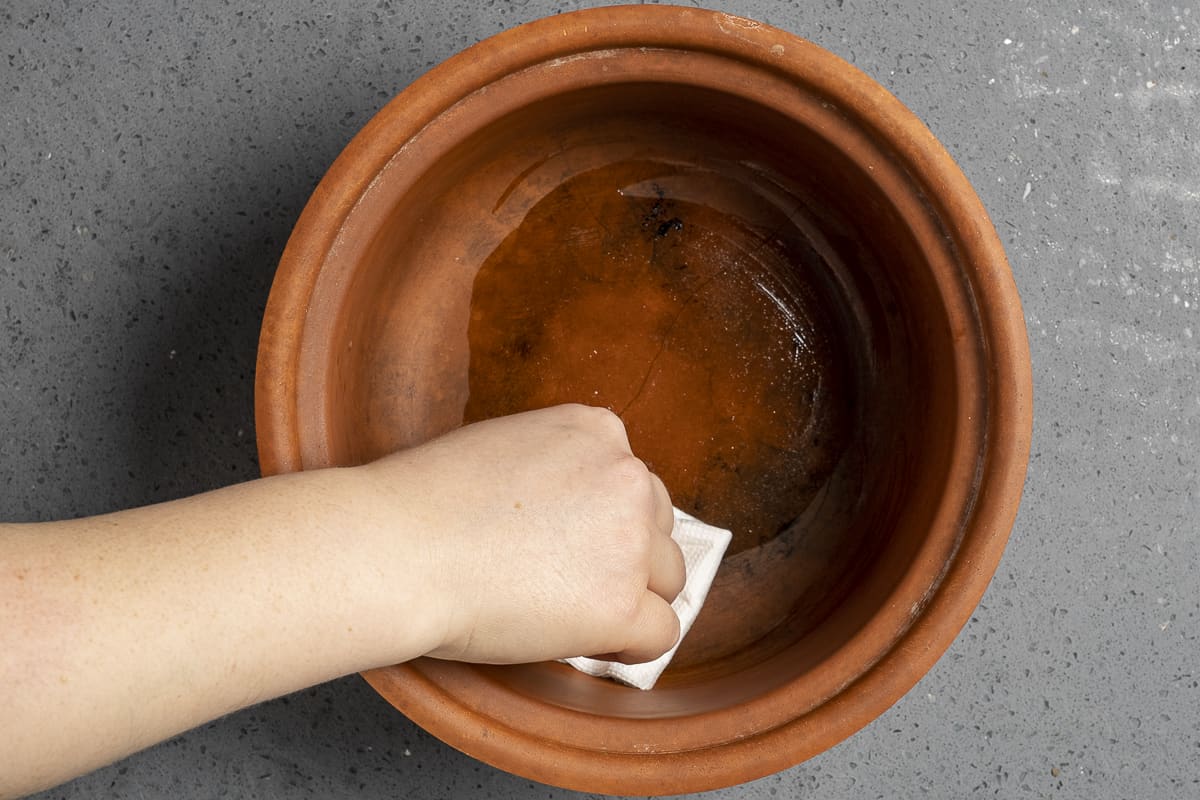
681,298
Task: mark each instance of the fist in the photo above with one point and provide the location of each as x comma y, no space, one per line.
542,537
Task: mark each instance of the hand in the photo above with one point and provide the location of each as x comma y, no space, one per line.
544,538
532,537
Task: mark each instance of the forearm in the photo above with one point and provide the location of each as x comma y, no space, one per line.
121,630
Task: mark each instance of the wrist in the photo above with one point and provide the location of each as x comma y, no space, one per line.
395,587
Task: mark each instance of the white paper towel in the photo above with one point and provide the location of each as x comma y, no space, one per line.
703,548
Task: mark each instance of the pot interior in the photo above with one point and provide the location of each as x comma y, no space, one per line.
730,281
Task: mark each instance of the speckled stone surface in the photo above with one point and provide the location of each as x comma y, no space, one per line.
153,159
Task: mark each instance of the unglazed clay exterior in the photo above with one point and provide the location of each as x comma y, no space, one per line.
776,276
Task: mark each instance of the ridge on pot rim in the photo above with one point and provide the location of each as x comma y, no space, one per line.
773,152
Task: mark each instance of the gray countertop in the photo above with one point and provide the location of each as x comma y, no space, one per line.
153,158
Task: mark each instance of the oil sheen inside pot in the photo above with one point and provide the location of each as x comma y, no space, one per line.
679,297
682,271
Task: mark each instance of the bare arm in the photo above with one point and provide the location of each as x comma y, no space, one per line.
121,630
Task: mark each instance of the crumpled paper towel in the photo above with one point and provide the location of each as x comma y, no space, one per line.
703,548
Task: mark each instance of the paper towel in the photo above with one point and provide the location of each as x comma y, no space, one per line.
703,548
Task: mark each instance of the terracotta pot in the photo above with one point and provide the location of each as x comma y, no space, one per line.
776,275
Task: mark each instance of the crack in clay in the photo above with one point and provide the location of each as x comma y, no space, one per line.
760,246
667,338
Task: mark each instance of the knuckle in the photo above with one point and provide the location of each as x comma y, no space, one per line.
632,471
632,482
603,418
593,419
569,413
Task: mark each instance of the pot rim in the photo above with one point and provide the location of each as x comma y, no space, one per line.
1005,429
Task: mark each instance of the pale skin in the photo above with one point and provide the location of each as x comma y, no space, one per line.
490,544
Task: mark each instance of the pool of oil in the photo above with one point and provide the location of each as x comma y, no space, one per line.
683,299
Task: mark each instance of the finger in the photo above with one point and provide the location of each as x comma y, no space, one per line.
654,631
667,570
664,512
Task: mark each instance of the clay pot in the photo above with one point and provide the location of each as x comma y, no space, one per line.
776,275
